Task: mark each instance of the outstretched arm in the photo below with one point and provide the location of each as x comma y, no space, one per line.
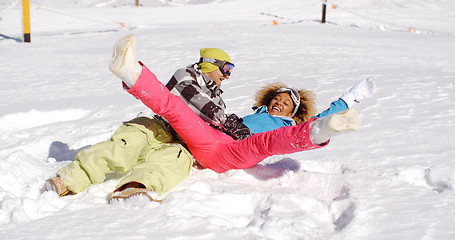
358,93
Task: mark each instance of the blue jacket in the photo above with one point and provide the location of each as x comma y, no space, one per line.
262,121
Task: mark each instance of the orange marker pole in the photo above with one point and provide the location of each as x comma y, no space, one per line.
26,13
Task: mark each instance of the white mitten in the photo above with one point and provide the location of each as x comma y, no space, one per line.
359,92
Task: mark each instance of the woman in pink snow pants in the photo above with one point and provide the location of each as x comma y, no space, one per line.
211,148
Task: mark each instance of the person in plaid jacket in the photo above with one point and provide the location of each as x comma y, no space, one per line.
145,149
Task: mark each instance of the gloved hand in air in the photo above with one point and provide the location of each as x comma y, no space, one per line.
359,92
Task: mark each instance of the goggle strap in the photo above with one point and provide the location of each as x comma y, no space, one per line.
210,60
217,62
295,96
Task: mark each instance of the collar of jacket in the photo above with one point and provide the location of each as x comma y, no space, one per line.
264,109
211,85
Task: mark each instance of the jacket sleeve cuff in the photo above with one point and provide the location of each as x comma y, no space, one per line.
349,99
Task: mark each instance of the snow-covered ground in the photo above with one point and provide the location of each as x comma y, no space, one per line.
392,179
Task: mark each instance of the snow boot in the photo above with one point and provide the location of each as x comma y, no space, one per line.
57,185
134,194
322,129
124,62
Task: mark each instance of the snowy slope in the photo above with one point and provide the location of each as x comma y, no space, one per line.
393,179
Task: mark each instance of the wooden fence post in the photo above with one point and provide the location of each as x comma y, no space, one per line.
324,7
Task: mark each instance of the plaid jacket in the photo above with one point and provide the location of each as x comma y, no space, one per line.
200,93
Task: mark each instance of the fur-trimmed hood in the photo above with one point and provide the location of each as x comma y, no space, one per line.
307,108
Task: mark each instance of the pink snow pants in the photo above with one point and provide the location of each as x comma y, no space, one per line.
211,148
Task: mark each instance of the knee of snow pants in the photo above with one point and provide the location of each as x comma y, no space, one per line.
128,146
163,169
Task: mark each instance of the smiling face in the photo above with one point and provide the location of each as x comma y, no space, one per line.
217,76
281,105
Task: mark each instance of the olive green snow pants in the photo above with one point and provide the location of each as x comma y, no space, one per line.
142,149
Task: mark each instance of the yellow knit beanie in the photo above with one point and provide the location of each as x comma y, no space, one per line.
215,53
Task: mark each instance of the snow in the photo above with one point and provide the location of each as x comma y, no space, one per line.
392,179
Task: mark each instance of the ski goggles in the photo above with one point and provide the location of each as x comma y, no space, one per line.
295,96
224,66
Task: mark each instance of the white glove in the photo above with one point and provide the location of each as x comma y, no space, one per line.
359,92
